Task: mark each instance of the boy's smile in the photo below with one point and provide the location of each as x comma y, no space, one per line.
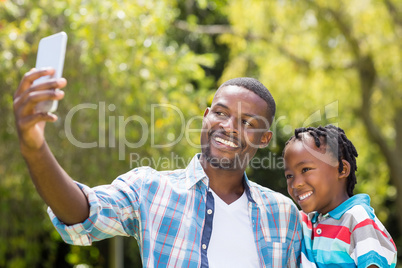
314,183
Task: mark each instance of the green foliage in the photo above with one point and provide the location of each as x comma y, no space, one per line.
331,62
145,70
120,62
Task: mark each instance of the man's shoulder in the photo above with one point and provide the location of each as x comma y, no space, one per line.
149,174
269,195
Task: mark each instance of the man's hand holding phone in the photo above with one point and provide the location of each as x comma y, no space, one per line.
30,122
38,93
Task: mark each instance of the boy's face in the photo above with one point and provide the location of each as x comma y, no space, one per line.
312,176
234,128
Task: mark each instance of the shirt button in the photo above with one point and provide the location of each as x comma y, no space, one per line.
209,211
204,246
319,231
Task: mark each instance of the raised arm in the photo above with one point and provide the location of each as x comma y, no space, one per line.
53,184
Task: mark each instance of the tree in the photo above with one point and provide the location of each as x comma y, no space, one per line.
328,62
131,92
324,62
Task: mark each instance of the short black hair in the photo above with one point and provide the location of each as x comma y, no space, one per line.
258,88
335,138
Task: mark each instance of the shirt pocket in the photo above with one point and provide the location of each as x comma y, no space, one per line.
277,254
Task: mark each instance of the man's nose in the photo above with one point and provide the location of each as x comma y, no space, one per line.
230,125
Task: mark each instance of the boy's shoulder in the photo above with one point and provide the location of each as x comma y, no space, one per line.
350,213
356,207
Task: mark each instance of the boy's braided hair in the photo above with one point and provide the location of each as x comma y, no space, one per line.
340,146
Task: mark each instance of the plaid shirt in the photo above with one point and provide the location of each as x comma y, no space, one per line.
170,214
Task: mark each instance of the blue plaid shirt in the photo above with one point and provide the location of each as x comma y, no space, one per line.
169,213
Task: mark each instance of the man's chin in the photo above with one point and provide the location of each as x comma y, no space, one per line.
226,163
215,161
219,164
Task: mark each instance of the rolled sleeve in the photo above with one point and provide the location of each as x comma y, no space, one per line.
80,233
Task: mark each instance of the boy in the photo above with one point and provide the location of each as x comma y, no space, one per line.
340,229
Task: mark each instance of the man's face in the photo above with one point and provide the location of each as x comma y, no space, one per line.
234,128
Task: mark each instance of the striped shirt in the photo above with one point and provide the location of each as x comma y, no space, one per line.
349,236
170,214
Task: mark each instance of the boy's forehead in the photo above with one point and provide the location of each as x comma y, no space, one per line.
307,144
307,141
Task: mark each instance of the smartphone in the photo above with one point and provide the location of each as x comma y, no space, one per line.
51,53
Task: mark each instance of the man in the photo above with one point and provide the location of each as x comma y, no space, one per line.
207,215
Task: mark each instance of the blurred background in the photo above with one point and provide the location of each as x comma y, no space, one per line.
336,62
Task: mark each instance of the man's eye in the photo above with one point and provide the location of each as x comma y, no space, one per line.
247,123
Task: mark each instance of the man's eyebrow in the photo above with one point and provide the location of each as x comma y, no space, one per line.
243,114
221,105
251,115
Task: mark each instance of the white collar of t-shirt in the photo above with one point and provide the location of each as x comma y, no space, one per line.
232,241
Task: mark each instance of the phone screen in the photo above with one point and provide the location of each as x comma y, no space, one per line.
51,53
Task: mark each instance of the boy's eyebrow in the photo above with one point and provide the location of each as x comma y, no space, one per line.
301,163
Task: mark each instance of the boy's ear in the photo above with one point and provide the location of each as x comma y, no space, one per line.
345,170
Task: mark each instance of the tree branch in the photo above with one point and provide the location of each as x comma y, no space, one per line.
367,77
226,29
393,12
398,130
343,26
204,29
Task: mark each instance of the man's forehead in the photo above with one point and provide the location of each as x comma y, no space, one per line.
228,90
238,94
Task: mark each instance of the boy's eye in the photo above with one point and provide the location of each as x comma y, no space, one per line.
305,169
288,176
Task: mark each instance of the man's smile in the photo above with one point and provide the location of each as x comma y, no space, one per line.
226,142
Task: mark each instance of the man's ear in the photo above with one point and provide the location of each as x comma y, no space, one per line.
207,111
345,170
265,139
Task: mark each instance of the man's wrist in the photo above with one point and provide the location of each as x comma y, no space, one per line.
29,153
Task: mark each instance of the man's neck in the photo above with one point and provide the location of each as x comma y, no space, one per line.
226,183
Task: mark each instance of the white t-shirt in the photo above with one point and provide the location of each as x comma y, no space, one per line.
232,241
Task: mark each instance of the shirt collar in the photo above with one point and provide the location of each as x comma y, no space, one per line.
359,199
337,213
195,173
247,188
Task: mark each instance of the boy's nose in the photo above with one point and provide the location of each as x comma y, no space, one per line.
297,182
